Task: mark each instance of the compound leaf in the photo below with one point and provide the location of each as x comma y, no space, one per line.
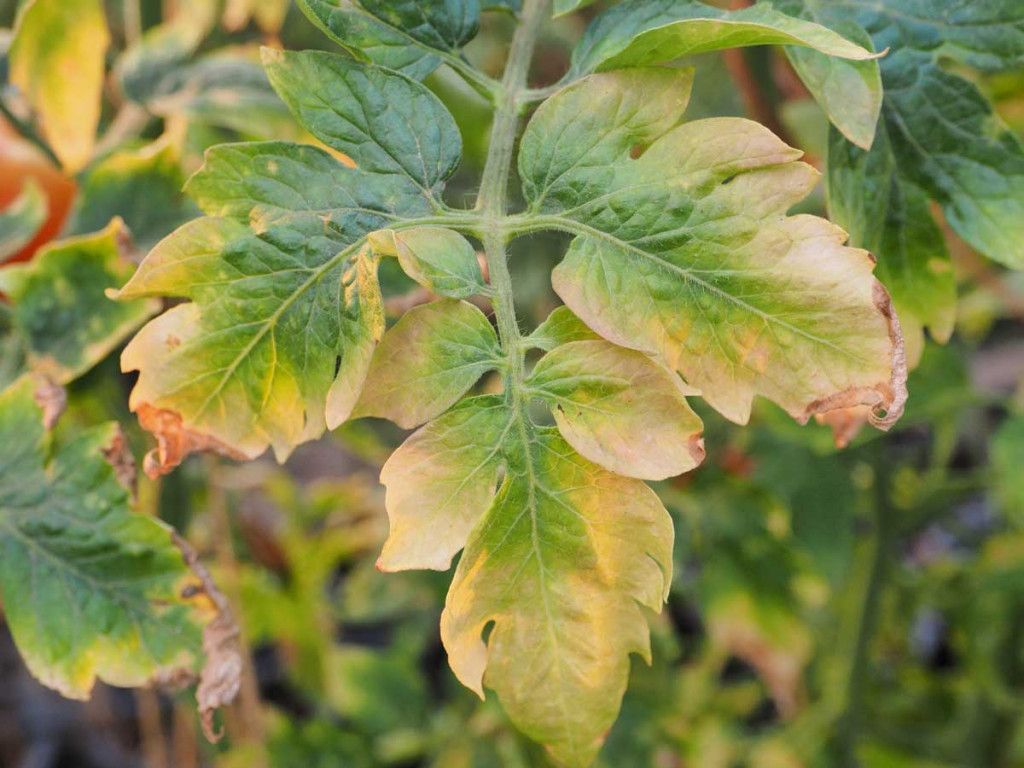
60,307
620,409
57,60
736,295
90,589
429,360
285,309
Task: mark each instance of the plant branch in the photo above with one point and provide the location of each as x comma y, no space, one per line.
492,203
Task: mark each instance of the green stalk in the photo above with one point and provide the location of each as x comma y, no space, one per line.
492,202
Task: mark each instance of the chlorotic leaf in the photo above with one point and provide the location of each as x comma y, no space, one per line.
60,306
637,32
384,121
285,309
409,37
560,327
21,220
441,481
429,360
57,60
143,186
90,589
620,409
737,296
559,567
440,260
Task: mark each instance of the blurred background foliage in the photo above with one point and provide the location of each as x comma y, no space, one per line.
830,608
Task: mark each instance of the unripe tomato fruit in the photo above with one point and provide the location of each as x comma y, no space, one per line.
19,162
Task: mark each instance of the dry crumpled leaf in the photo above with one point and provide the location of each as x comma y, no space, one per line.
221,676
175,441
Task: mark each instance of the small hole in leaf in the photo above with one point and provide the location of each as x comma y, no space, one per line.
337,365
729,179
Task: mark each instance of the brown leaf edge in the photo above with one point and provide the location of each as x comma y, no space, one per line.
881,405
221,677
175,441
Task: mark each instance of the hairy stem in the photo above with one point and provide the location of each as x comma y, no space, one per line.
492,202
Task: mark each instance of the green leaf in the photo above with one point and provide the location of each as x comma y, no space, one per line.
559,568
440,260
639,32
57,60
620,409
285,310
560,327
686,251
143,186
384,121
1007,460
226,89
90,589
21,220
850,92
429,360
891,217
59,304
942,134
146,69
12,348
409,37
440,482
562,7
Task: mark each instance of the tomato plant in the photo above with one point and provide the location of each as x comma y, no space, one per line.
336,261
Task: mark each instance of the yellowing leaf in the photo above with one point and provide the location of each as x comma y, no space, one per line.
561,565
441,481
440,260
57,60
89,588
60,306
687,252
620,409
423,365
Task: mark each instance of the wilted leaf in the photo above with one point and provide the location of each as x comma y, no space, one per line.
620,409
429,360
60,307
90,589
737,296
57,60
21,220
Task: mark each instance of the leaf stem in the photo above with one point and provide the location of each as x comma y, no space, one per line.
492,202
